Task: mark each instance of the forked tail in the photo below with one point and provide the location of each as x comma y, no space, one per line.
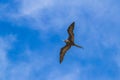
78,46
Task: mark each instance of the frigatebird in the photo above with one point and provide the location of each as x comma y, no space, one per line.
69,42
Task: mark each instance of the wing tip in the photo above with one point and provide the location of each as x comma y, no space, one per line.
73,23
60,61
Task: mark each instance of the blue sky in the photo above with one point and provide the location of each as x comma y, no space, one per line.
31,34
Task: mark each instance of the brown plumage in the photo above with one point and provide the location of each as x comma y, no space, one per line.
69,42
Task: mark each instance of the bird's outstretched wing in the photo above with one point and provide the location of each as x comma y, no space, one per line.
70,32
63,51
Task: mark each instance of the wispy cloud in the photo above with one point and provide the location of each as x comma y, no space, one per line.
97,28
42,14
26,69
73,73
33,7
5,46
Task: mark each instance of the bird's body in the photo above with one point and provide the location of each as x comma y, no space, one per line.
69,42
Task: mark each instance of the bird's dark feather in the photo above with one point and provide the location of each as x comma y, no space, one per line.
70,32
63,51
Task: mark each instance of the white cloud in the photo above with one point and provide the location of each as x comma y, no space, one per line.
47,14
90,15
31,7
70,74
27,70
5,45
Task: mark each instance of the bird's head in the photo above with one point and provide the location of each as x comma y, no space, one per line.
66,41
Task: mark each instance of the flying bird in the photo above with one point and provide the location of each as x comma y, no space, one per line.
69,42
